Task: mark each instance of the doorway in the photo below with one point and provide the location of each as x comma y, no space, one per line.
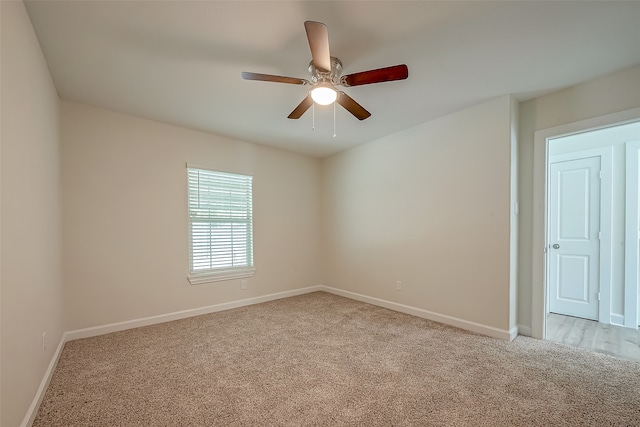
539,261
593,229
592,200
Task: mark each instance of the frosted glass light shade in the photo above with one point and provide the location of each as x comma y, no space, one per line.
323,95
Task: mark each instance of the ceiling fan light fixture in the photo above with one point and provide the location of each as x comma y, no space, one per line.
326,75
324,94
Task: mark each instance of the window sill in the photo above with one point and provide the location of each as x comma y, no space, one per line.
218,276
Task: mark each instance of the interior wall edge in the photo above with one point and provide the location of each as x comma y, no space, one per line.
514,221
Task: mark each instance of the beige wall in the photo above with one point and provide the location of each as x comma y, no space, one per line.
30,280
125,216
609,94
428,206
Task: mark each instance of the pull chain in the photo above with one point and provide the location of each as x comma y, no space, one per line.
334,119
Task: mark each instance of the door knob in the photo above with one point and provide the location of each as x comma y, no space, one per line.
556,246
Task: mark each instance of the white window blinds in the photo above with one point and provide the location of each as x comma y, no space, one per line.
220,225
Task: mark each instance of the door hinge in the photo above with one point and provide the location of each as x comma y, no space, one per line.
599,235
600,174
598,296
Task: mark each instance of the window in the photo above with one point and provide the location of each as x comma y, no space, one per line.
220,226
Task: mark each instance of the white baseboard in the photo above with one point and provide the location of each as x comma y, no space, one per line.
442,318
524,330
44,384
130,324
617,319
147,321
430,315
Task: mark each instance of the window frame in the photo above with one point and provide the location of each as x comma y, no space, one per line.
227,272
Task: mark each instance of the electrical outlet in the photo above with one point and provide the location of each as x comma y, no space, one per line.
243,284
44,342
398,285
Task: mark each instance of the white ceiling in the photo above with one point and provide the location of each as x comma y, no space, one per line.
180,61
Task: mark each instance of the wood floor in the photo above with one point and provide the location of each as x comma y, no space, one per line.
589,334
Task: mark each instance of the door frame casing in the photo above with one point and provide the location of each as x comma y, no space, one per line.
539,234
632,225
605,257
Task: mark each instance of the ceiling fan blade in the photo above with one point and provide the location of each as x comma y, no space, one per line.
272,78
318,37
301,108
387,74
352,106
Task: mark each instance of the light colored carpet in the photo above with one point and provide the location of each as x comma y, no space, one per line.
319,359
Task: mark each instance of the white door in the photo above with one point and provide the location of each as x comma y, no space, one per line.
574,246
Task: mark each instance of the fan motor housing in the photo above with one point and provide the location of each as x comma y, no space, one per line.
332,76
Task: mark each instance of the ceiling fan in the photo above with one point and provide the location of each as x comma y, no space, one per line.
326,73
